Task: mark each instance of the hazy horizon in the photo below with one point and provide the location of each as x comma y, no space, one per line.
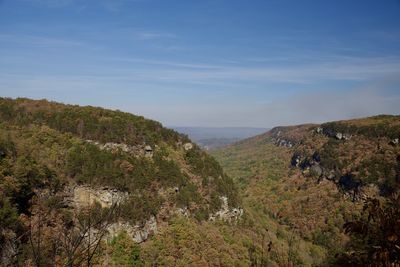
219,126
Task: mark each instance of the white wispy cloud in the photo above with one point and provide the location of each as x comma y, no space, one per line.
153,35
138,33
39,41
50,3
151,71
210,110
345,69
167,63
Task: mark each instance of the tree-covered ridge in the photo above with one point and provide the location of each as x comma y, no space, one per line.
306,217
312,178
48,148
102,125
373,127
87,122
352,153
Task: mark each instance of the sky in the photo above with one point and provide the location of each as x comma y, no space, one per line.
253,63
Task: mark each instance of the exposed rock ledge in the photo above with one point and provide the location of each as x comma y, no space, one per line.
225,213
139,233
333,134
140,150
82,196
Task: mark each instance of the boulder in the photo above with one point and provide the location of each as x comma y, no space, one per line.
284,143
316,170
183,212
331,176
393,142
188,146
339,136
148,151
346,137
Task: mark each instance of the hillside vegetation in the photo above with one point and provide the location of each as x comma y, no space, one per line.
46,148
86,186
312,179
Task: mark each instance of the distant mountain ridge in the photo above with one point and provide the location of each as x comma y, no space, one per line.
215,137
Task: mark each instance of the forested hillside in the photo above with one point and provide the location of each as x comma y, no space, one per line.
317,180
50,152
86,186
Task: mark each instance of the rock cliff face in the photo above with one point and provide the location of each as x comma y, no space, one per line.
333,134
282,141
84,196
80,197
138,150
226,213
138,232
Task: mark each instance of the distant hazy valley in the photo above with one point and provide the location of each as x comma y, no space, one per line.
211,138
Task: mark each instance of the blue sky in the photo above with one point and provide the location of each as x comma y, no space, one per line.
206,63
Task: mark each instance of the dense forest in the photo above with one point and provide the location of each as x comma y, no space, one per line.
47,148
334,185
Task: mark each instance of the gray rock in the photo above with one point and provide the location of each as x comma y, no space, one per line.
394,141
346,137
339,136
331,176
83,196
316,170
225,213
148,151
283,143
137,232
134,150
188,146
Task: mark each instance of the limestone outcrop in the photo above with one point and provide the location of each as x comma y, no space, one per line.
138,151
138,232
80,197
226,213
188,146
84,196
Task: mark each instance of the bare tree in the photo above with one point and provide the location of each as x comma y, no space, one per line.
71,243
